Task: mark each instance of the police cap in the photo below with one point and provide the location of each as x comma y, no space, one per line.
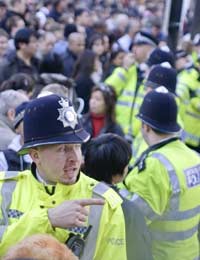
51,120
159,110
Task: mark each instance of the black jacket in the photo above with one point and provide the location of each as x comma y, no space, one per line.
12,65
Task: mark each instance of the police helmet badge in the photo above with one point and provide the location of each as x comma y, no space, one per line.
67,114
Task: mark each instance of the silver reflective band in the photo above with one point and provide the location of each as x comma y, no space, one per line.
121,76
174,201
144,207
94,220
193,114
127,104
192,137
124,193
6,192
128,93
180,215
174,236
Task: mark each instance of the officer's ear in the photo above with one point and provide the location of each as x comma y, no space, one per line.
11,114
146,127
33,152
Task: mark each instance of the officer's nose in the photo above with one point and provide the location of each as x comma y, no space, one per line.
73,154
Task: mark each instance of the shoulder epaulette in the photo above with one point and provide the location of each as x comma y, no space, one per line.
109,194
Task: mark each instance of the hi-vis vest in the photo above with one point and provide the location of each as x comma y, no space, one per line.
128,101
24,212
191,133
168,192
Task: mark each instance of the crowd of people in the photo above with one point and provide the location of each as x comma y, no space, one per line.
99,132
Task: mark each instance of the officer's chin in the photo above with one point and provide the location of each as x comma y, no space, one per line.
70,181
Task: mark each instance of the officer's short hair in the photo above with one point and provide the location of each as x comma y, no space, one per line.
55,88
106,156
10,99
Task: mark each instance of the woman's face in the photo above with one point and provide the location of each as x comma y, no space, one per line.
98,47
97,103
118,60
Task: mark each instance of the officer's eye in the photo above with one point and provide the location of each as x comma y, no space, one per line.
61,148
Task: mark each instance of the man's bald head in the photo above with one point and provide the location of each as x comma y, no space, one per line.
76,42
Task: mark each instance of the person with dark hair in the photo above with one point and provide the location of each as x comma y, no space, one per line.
101,116
107,157
57,9
51,63
21,82
61,45
106,160
76,45
13,24
22,60
83,72
83,21
95,43
15,8
115,61
3,12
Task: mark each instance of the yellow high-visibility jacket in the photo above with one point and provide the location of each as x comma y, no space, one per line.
128,101
191,134
24,212
166,188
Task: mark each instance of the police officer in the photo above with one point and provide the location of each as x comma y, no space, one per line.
165,183
189,93
49,198
159,75
127,82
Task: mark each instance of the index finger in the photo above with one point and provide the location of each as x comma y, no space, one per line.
88,202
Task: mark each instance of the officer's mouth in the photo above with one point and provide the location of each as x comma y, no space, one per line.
70,171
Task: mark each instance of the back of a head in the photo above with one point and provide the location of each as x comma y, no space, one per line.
51,63
40,246
162,75
11,99
69,28
107,156
79,11
19,81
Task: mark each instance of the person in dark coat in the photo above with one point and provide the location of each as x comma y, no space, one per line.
76,45
23,59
